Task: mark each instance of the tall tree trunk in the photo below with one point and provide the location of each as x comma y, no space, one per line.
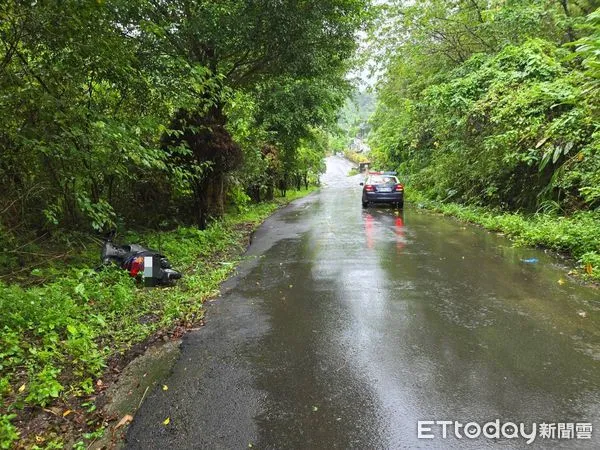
570,31
200,204
210,142
217,203
253,192
270,194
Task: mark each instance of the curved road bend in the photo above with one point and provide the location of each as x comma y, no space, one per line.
345,327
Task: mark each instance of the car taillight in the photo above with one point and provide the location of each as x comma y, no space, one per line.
399,188
369,188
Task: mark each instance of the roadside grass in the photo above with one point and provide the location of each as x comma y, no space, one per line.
57,336
577,235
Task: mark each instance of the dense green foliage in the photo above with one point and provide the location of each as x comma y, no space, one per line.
494,103
117,113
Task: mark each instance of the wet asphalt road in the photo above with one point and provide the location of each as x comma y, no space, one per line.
345,327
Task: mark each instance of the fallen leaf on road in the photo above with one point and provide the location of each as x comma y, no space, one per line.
561,281
165,387
124,421
315,408
167,421
22,388
582,314
67,412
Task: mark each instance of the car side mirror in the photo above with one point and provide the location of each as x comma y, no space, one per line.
362,184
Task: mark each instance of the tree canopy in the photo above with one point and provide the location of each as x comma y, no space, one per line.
492,103
122,112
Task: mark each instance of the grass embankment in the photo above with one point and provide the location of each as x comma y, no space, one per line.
57,337
577,235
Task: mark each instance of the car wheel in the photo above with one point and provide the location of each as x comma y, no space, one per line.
365,204
400,205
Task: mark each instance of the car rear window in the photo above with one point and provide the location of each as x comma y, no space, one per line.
383,179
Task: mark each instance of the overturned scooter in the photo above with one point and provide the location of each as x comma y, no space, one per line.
154,268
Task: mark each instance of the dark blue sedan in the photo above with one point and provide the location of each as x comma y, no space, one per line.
382,187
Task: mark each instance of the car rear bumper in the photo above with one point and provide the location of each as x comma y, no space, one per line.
383,197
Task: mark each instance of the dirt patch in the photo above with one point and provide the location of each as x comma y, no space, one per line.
123,398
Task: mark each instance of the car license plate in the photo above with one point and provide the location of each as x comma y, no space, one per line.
385,189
